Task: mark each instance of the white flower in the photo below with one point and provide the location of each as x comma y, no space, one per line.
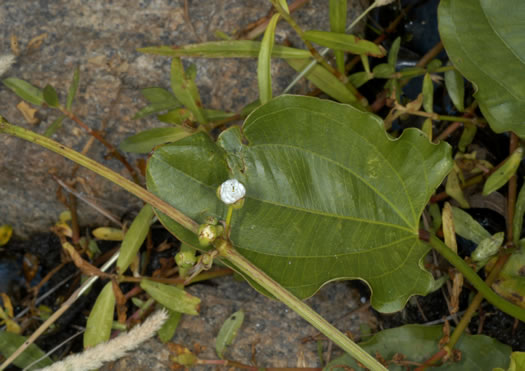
231,191
6,61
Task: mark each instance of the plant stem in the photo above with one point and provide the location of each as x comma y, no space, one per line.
476,281
102,140
107,173
283,295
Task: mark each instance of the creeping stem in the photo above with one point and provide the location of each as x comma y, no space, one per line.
476,281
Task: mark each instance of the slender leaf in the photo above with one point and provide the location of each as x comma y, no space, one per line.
467,227
517,222
159,95
50,96
228,332
6,231
55,125
428,93
226,49
100,320
344,42
511,281
169,327
146,140
456,88
358,79
325,81
312,169
185,90
25,90
484,40
73,88
134,238
10,342
467,136
383,71
338,10
264,64
171,297
417,343
394,51
502,175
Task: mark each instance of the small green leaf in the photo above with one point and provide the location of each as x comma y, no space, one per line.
100,320
453,189
226,49
228,332
467,227
177,116
517,362
73,88
171,297
159,95
169,327
428,93
487,248
55,125
394,51
511,282
434,64
456,88
517,222
264,64
467,136
338,10
185,90
6,231
383,71
134,238
50,96
502,175
25,90
344,42
10,342
427,128
417,343
358,79
146,140
324,80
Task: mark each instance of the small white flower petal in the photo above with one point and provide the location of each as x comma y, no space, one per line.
231,191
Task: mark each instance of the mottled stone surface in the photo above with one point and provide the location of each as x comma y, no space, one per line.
274,332
100,37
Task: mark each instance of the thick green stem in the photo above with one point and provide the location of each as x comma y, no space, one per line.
246,267
107,173
476,281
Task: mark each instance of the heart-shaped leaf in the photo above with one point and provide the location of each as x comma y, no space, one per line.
485,40
329,195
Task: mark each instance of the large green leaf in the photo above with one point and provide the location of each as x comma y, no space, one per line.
329,195
485,40
418,343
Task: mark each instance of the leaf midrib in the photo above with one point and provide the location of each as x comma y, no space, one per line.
410,228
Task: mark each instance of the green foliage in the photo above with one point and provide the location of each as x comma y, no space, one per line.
25,90
418,343
484,40
135,236
146,140
345,43
264,73
228,332
100,320
303,155
171,297
10,342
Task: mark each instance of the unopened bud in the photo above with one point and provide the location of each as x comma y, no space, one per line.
231,191
207,234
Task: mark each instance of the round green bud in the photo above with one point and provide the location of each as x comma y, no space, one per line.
185,259
207,234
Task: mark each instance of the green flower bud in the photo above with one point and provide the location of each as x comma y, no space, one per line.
207,234
185,259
